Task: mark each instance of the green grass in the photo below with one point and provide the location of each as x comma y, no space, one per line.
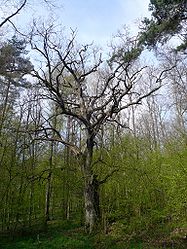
61,241
56,242
71,236
57,236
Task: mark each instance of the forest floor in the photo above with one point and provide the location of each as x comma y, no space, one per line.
71,236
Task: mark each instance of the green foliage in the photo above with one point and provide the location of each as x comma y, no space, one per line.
144,193
148,190
168,19
126,56
14,64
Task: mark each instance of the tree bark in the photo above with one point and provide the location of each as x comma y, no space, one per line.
91,191
47,198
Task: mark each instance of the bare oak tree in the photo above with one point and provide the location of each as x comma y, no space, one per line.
89,89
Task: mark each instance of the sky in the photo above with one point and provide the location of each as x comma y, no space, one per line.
98,20
95,20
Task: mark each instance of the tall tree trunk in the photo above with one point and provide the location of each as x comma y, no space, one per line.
4,107
47,198
91,191
49,186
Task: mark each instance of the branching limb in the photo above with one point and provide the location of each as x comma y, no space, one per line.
8,18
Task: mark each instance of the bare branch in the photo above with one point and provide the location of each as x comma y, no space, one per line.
8,18
108,176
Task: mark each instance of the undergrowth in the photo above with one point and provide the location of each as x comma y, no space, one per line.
59,235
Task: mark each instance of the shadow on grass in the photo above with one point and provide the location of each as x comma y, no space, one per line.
56,235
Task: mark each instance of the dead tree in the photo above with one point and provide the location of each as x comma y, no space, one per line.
88,89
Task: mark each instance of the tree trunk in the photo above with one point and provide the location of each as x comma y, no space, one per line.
91,191
47,198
